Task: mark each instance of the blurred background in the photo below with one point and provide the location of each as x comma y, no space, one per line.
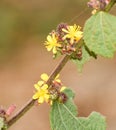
24,25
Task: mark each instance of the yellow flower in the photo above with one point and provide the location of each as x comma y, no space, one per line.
52,43
42,93
73,33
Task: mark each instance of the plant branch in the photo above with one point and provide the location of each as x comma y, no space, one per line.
58,68
21,112
31,102
110,5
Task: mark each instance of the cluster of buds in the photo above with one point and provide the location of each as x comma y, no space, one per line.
98,4
64,40
45,93
56,92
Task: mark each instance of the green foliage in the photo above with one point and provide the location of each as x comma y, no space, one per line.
1,123
69,93
100,34
64,117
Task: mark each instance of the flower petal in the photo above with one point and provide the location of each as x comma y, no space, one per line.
57,76
49,38
73,32
44,77
46,97
35,96
54,50
40,83
37,87
62,89
64,30
41,100
58,80
44,87
49,47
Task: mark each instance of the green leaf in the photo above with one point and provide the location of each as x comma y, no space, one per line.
1,123
64,117
85,57
69,93
100,34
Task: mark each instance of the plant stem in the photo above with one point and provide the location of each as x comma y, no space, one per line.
31,102
21,112
58,68
110,5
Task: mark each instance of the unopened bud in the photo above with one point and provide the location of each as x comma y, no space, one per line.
10,110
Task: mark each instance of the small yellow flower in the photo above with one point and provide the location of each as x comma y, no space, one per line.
52,43
42,90
73,33
42,93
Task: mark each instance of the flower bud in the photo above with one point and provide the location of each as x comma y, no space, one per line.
62,97
10,110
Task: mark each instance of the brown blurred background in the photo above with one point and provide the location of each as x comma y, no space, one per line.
24,26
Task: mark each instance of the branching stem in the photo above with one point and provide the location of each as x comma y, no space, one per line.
110,5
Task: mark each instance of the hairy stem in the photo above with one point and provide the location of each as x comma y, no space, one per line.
31,102
110,5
